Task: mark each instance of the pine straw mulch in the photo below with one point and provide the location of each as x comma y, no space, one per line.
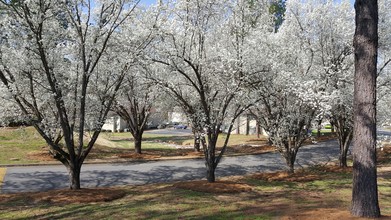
303,175
67,196
216,187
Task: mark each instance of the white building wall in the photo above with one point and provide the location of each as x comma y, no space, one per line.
114,124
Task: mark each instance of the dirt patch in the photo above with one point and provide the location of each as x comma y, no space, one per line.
216,187
66,196
144,156
42,155
249,149
306,175
285,176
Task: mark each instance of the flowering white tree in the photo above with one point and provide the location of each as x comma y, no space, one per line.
134,102
332,34
288,92
137,94
201,50
54,62
384,54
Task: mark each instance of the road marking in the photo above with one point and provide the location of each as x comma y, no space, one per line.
2,174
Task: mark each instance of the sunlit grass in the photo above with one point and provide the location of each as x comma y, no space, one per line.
16,143
322,131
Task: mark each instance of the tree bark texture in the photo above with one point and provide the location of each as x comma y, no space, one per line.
365,194
209,147
210,172
290,158
137,144
74,176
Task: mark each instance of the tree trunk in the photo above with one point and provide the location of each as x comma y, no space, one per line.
210,172
209,148
319,128
74,176
197,147
365,194
343,157
247,125
258,129
238,125
344,144
137,144
290,158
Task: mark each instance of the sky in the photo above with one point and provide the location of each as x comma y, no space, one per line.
147,2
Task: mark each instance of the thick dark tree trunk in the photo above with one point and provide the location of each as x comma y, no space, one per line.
209,148
210,172
365,194
138,138
137,143
74,176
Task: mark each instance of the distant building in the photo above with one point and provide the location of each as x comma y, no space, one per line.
246,124
114,123
177,116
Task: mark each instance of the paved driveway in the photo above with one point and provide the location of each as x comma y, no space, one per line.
40,178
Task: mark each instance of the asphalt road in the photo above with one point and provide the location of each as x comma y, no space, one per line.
42,178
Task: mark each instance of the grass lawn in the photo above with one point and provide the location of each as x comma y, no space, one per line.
17,143
317,192
322,132
25,146
321,192
186,140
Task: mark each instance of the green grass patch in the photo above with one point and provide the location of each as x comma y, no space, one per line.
322,132
16,143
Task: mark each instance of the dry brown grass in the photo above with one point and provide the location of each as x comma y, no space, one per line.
216,187
66,196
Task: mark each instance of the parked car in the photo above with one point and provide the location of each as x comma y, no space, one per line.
180,126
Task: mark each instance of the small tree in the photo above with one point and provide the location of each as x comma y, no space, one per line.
202,49
51,67
134,103
285,114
